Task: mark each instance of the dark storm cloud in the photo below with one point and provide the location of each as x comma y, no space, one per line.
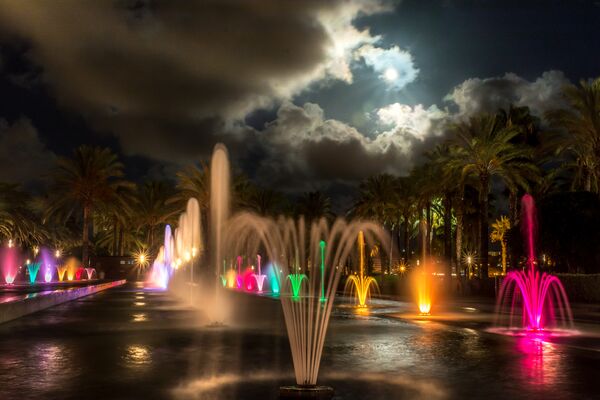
23,157
136,68
169,79
490,94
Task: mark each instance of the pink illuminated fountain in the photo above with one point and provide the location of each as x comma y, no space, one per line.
239,277
89,272
260,278
537,299
9,262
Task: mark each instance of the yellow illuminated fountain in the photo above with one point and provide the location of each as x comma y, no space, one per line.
360,284
422,276
423,291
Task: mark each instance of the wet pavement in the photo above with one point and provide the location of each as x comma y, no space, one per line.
132,343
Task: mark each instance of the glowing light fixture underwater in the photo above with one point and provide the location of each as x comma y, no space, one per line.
361,284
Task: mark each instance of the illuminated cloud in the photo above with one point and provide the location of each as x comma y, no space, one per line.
303,149
394,65
416,121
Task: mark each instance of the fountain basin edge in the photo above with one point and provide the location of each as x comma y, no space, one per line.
306,392
28,304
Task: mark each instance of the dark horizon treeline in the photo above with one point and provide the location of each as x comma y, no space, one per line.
453,198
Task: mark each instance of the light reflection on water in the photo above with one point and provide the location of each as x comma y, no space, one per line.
137,356
218,385
542,361
141,317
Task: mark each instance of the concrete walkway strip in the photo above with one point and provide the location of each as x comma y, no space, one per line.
20,305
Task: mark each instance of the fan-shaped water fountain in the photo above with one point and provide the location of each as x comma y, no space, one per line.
537,299
239,279
273,278
361,284
291,246
259,278
48,263
33,269
9,259
89,272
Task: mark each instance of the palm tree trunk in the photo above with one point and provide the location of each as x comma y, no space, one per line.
460,212
484,226
115,236
121,241
85,239
588,181
406,238
151,237
423,235
448,237
513,205
428,233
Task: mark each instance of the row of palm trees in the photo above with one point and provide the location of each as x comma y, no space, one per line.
511,151
446,198
91,206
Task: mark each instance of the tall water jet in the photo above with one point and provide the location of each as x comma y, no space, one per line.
361,284
537,299
162,267
220,176
290,246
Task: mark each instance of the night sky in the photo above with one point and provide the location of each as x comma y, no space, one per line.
306,94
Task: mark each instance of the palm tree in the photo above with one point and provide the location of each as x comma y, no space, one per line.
376,197
482,149
83,183
115,221
154,210
313,206
377,201
193,182
447,185
529,129
18,220
579,133
499,229
264,201
405,200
